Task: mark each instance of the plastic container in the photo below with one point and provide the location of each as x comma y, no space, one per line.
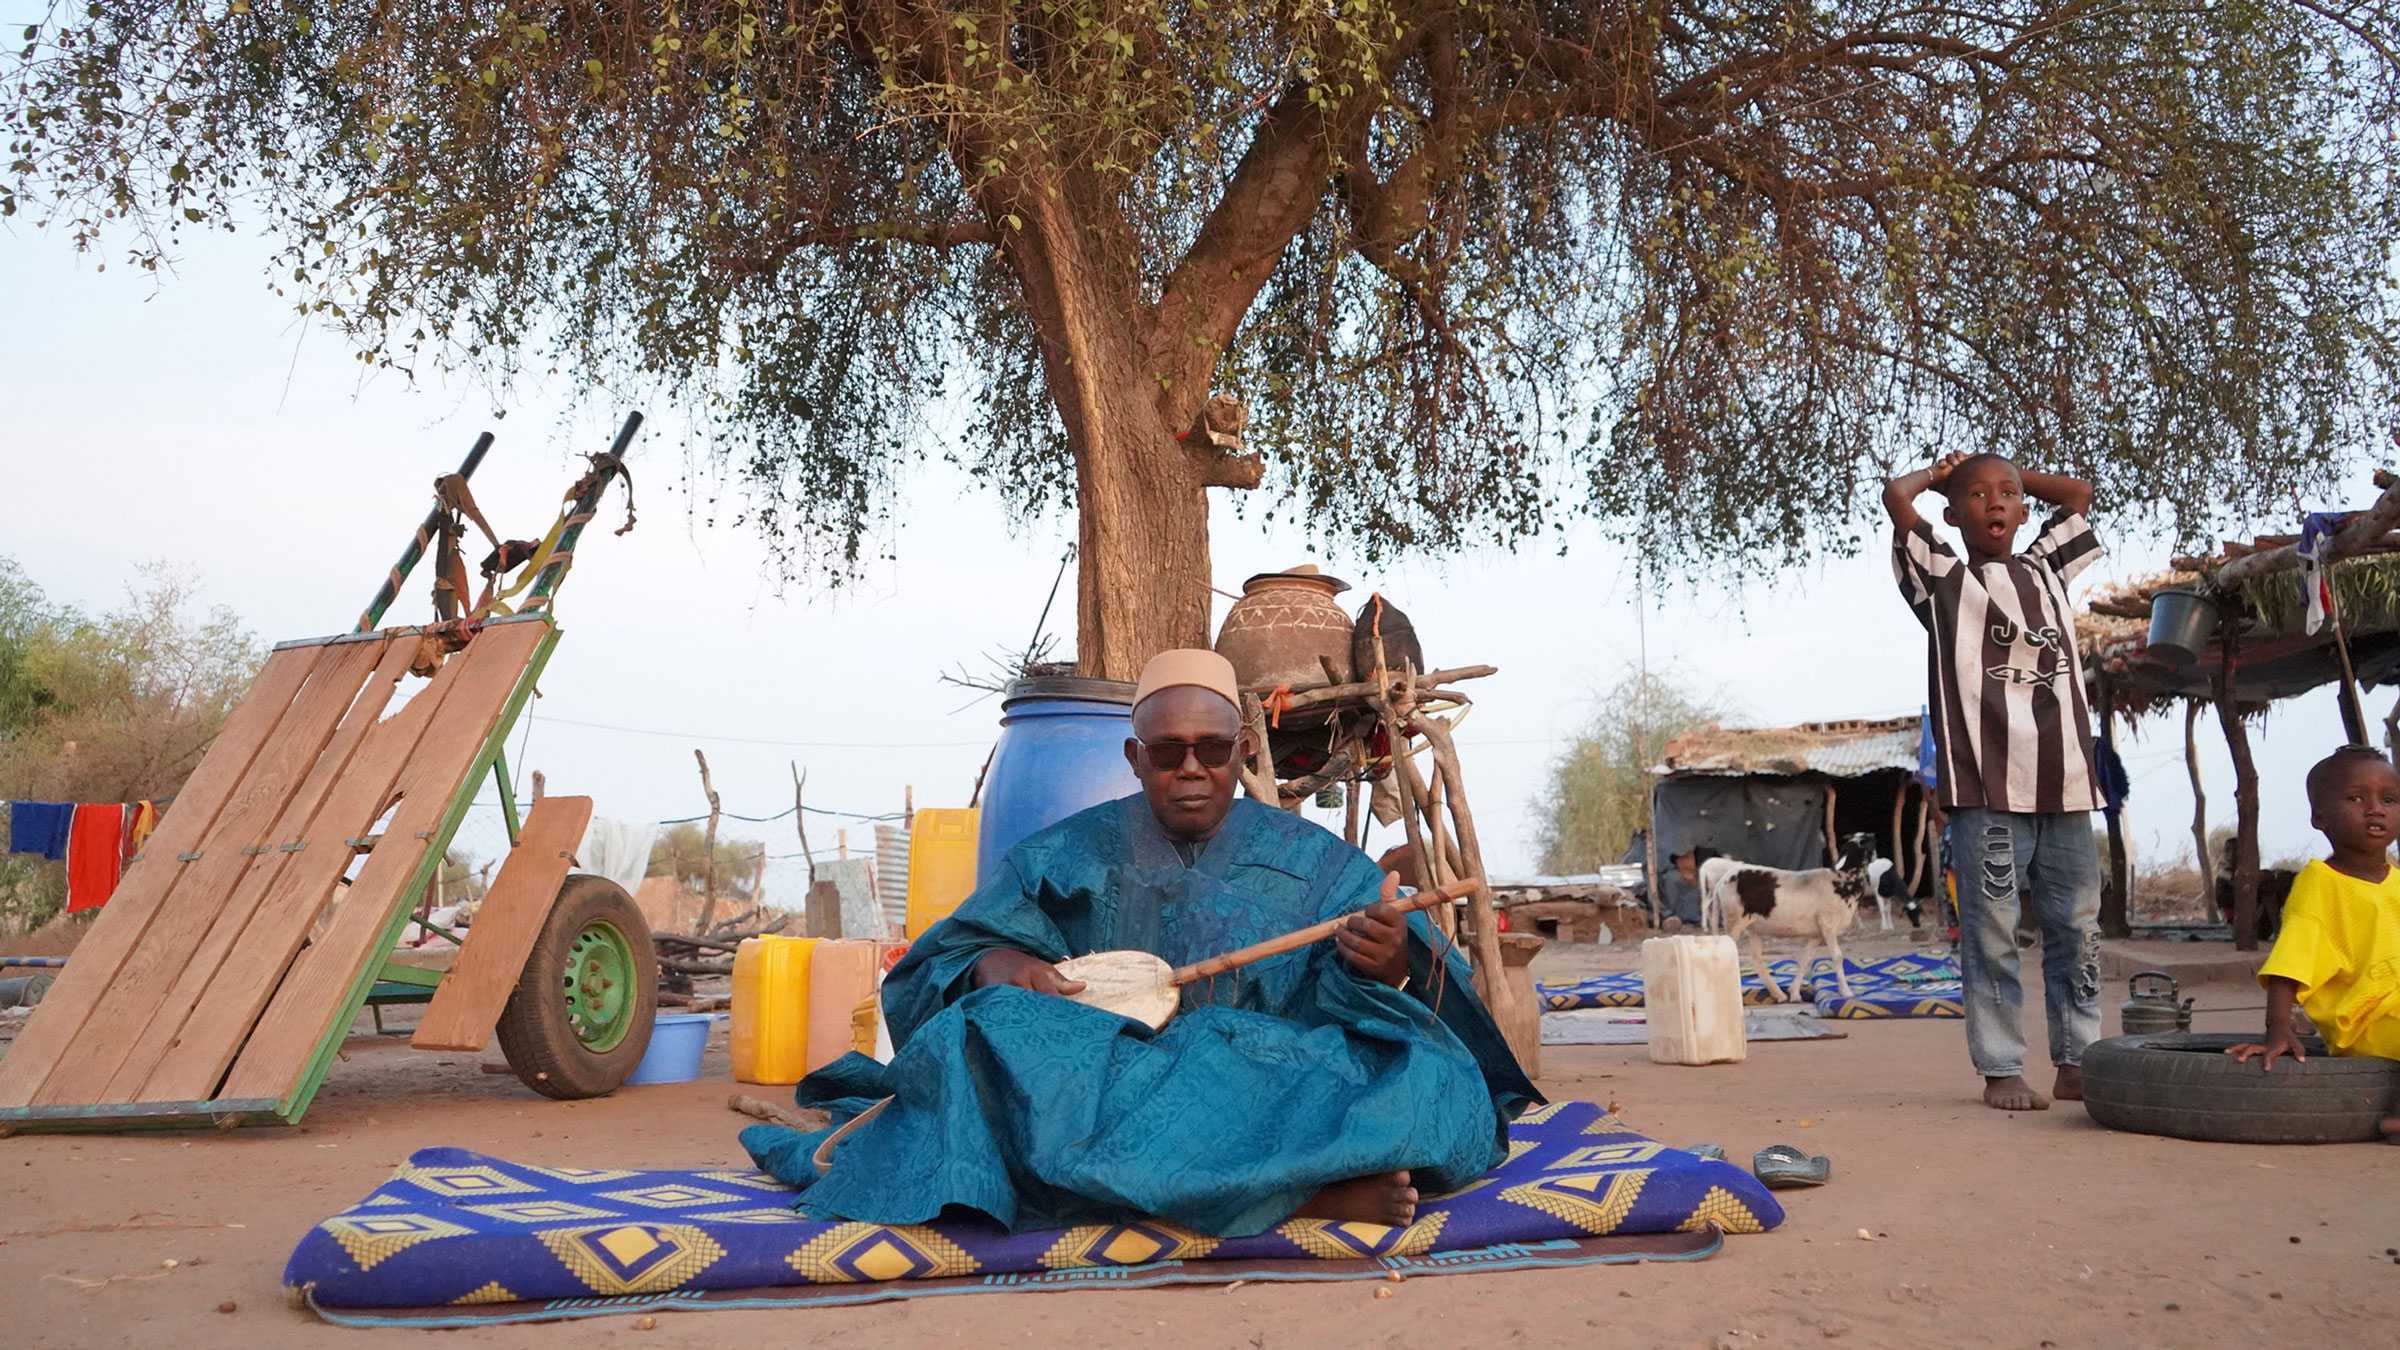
770,1009
1062,748
841,976
941,864
1692,993
2181,623
677,1042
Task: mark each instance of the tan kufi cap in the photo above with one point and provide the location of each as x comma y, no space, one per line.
1195,666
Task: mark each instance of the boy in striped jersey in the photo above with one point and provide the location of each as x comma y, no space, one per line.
2012,750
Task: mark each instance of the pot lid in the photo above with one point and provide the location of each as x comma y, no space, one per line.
1068,686
1304,572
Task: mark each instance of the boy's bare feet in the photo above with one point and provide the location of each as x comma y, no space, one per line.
2013,1093
2069,1087
1385,1199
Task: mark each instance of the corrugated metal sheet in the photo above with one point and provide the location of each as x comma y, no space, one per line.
891,873
1837,749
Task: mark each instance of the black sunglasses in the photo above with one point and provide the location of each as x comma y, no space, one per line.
1213,752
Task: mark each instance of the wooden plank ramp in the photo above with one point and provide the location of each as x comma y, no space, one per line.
466,1006
320,996
242,836
120,926
291,841
274,933
198,995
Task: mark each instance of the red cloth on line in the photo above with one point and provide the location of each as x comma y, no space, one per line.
95,855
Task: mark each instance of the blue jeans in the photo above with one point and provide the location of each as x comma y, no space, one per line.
2049,860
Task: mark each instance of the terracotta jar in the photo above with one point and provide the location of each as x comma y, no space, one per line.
1282,624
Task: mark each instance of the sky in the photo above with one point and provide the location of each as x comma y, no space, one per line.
189,418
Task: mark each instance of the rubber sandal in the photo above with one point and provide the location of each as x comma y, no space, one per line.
1711,1152
1783,1167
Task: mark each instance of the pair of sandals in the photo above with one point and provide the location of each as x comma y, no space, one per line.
1780,1167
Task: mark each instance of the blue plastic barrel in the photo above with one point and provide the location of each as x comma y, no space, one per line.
1062,748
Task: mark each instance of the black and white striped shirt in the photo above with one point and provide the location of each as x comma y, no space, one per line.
2011,729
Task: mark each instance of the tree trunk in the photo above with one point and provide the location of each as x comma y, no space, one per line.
1142,578
1141,496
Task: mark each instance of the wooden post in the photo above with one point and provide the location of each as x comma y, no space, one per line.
2245,801
1930,827
539,785
1258,771
908,807
1918,864
2115,896
2191,764
1833,848
1519,1021
1899,852
1352,792
1650,860
708,857
2354,713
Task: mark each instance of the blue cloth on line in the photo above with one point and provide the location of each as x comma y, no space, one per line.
1274,1081
40,827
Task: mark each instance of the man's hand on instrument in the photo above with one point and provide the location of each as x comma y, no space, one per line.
1375,940
1003,965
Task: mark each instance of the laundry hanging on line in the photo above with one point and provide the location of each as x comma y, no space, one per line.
40,828
95,855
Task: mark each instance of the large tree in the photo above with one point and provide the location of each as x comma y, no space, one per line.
1691,267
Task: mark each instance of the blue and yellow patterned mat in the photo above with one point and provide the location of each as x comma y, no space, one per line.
456,1238
1895,986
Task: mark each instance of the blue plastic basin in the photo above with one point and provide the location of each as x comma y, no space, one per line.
1062,748
677,1042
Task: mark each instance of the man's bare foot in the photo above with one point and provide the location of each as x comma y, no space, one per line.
1385,1199
2013,1094
2069,1087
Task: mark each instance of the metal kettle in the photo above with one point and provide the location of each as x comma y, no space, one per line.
2153,1010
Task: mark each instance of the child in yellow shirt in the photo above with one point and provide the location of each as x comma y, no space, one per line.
2338,955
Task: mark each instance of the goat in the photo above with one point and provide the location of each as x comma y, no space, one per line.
1881,884
1820,904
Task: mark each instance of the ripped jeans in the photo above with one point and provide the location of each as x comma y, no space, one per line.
2049,859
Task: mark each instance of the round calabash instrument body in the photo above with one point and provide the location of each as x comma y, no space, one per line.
1130,984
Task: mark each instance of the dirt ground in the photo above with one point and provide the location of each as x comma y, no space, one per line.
1989,1229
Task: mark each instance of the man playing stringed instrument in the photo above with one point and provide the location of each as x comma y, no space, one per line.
1333,1081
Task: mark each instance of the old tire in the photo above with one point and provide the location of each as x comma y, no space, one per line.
2184,1085
579,1020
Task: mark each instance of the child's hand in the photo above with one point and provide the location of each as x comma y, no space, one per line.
1938,475
2280,1041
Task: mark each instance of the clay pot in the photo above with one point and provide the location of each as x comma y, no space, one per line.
1282,624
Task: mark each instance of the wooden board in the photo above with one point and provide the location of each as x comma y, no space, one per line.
273,936
467,1005
303,825
319,991
119,928
230,848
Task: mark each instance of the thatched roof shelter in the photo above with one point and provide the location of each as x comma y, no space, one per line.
2260,654
2277,658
